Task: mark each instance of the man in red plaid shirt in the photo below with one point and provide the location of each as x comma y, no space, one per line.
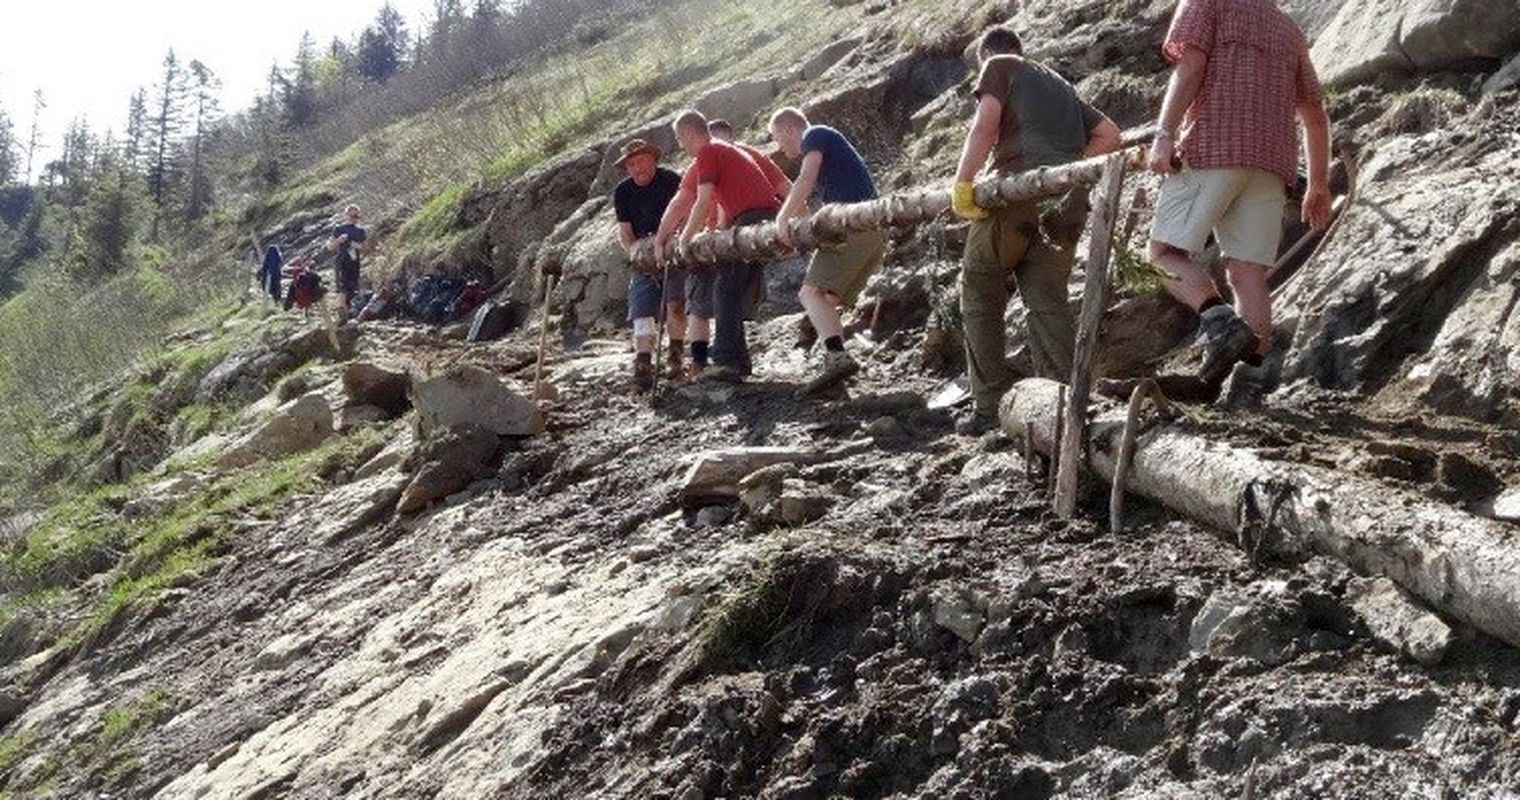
1228,146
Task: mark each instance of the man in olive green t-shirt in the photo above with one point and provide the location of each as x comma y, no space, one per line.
1027,117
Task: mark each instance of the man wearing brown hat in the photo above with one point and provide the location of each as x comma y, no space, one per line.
640,201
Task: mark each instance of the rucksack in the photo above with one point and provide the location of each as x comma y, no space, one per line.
306,289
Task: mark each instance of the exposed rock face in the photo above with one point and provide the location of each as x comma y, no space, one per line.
299,425
470,396
1416,297
527,210
1370,37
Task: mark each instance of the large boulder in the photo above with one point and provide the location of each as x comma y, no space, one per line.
467,396
1371,37
450,462
368,384
299,425
1414,298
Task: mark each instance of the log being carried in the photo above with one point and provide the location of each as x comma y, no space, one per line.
832,223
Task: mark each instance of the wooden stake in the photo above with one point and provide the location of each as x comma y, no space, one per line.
1144,389
543,342
1055,453
1094,303
332,328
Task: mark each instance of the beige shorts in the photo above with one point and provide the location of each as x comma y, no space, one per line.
1242,207
844,268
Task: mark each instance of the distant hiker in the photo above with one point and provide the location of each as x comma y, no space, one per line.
1242,76
729,178
348,241
833,170
640,201
270,272
1027,116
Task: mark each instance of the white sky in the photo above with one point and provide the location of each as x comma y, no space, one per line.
88,56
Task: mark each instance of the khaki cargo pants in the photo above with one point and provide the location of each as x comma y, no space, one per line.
1010,242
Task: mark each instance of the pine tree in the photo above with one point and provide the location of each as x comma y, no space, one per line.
39,104
205,109
9,163
301,89
112,223
383,45
166,125
448,18
134,145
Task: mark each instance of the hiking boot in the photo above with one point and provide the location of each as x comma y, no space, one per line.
1226,340
675,360
838,367
718,373
643,374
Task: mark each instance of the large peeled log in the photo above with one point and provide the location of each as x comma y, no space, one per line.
1462,565
833,222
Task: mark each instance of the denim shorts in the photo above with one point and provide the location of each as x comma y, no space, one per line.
644,293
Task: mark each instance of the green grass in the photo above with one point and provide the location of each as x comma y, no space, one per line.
568,100
15,747
148,555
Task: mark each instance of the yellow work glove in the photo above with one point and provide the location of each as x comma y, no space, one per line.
963,202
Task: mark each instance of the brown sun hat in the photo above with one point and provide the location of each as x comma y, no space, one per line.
637,147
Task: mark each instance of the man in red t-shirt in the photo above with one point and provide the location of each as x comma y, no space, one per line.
728,178
1243,79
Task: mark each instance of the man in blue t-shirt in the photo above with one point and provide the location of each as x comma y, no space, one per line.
640,202
348,241
833,171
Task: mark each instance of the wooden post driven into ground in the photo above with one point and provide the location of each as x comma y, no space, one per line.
833,222
1105,212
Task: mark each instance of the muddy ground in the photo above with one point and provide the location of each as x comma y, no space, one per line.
924,628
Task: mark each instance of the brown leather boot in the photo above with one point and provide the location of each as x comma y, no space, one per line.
675,360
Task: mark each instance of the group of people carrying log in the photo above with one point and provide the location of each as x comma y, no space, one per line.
1226,142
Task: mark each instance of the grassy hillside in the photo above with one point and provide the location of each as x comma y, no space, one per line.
418,169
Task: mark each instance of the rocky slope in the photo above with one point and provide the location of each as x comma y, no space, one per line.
384,573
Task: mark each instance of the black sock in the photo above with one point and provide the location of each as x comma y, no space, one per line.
834,344
1210,303
699,353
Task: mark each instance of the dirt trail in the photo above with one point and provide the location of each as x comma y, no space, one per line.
567,629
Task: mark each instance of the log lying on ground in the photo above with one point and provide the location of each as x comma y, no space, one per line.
833,222
1463,566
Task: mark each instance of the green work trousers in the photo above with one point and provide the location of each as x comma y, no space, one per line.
1010,242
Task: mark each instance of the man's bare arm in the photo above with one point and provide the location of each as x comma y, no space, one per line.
1181,90
675,214
625,237
983,136
1316,209
699,213
802,191
1105,138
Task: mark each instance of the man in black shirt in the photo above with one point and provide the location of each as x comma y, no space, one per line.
640,202
348,241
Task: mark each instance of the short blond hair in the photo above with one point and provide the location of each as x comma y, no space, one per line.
789,117
691,119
